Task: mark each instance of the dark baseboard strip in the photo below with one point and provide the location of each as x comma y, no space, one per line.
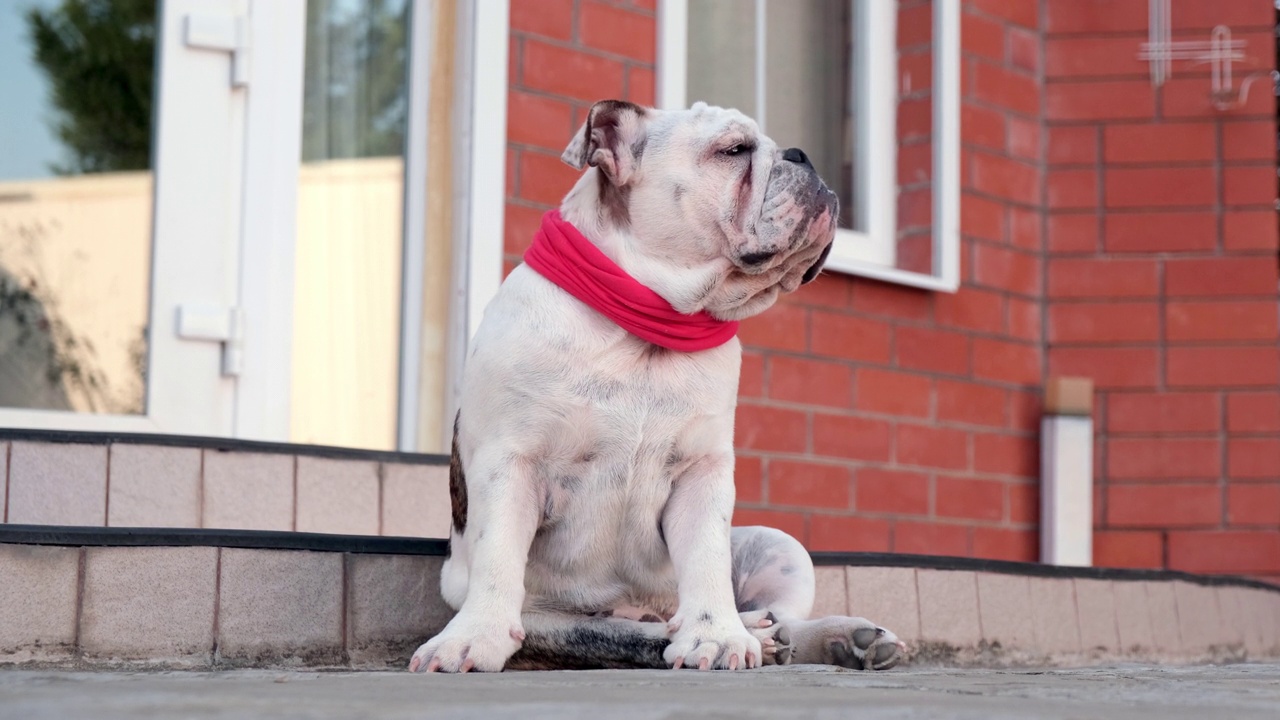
1007,567
322,542
223,444
189,537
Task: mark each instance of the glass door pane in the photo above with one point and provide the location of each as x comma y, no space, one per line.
75,203
346,341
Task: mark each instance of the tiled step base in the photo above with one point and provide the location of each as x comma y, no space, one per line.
71,596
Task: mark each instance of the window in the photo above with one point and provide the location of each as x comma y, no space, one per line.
823,75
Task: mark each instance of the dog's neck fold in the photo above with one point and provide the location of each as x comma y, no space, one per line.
563,254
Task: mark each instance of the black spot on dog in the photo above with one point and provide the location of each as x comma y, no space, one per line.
650,618
457,482
678,192
705,617
592,644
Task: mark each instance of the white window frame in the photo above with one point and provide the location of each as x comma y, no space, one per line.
868,253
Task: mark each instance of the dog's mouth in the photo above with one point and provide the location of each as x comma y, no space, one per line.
812,273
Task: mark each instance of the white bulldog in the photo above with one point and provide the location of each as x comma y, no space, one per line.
592,474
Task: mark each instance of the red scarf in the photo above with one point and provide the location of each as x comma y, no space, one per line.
563,255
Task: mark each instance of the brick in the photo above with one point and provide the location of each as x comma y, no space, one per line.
1162,610
751,375
337,496
915,164
1053,605
851,437
553,18
970,403
1099,100
915,212
57,484
811,382
1164,506
915,120
544,178
1159,142
1092,57
850,337
1024,50
149,603
1223,366
914,25
1004,602
1072,188
38,602
1025,319
1026,229
379,623
829,290
931,538
748,479
782,328
1234,551
895,393
848,534
415,500
520,224
1221,320
949,607
1162,458
888,595
1199,619
1006,178
889,299
982,217
1108,367
1225,276
1107,322
1254,504
758,427
1128,549
570,73
539,121
1249,230
1073,145
1096,610
1176,187
153,486
1006,544
1248,140
1024,502
1005,361
1257,458
891,491
1160,232
1007,269
1249,185
1188,97
1162,413
808,484
1253,412
618,31
971,309
1102,278
1072,233
277,603
641,86
932,447
1019,12
248,491
1013,455
792,523
1133,621
932,350
983,36
830,592
1006,88
1025,410
966,498
1096,16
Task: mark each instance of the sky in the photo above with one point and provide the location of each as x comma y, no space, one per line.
27,144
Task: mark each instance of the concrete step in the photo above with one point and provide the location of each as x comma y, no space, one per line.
208,599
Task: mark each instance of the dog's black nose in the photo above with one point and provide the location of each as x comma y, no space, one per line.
797,156
757,258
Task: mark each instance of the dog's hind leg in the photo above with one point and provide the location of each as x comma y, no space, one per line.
556,641
773,583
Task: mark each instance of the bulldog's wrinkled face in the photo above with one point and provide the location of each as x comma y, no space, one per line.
704,191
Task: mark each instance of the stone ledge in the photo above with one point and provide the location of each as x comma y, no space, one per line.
198,604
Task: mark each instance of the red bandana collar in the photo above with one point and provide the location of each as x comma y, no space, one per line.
563,255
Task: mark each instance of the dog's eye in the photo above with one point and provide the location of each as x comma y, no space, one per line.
739,149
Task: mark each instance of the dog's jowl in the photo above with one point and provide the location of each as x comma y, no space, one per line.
592,474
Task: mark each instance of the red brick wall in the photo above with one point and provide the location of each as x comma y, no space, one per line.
877,417
1162,283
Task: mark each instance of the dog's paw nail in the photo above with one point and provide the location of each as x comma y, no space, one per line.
467,665
704,664
414,664
751,660
517,634
733,662
434,665
679,663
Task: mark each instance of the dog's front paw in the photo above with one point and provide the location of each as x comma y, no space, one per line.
707,642
466,645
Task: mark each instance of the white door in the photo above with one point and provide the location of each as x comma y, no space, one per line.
127,205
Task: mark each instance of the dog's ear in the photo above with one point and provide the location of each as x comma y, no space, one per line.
611,139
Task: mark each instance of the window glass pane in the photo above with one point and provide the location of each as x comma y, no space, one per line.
722,53
350,195
75,203
809,88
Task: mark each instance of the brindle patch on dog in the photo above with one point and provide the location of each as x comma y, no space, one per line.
457,482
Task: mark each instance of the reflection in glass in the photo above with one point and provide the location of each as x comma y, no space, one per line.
350,198
75,203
